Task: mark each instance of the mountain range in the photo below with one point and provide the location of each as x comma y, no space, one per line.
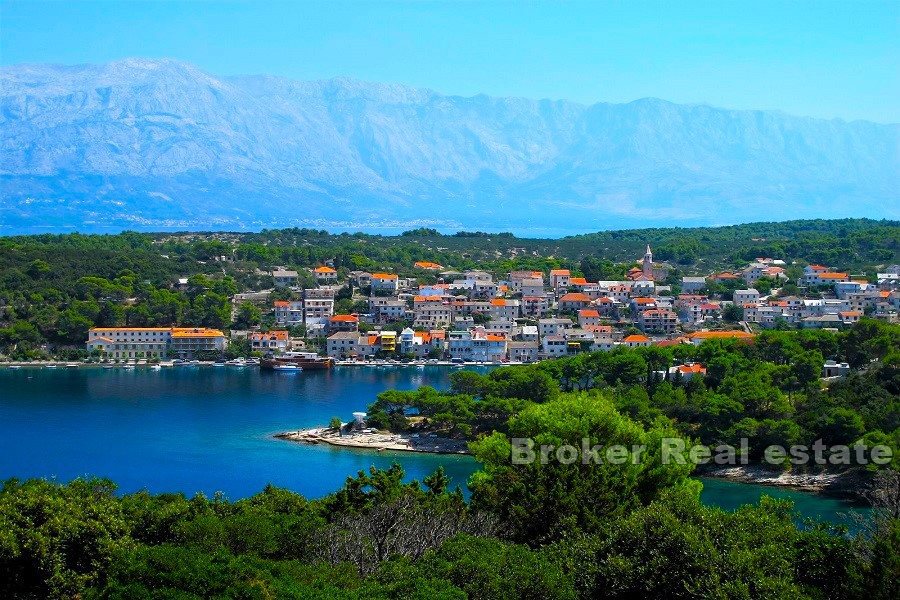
161,144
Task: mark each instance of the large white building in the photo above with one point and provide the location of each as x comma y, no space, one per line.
154,342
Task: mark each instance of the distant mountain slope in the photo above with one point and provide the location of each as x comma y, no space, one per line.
156,143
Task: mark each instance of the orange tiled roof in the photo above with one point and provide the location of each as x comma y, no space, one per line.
832,275
277,334
324,270
644,301
345,319
498,302
588,313
195,332
559,272
384,276
282,304
575,297
694,368
636,338
577,281
424,264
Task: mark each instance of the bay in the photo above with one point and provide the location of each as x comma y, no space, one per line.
208,430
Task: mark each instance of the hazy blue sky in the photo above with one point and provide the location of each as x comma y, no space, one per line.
825,59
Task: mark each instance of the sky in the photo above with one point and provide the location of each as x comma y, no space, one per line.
823,59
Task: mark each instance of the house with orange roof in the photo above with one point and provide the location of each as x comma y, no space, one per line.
676,341
427,265
686,372
385,282
850,317
819,275
535,306
574,301
275,341
641,304
325,274
190,342
588,316
288,313
724,276
559,278
343,323
432,312
505,309
657,320
636,341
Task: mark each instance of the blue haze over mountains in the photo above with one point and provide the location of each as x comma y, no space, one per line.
160,144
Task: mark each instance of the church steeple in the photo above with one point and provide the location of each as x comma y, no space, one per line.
648,262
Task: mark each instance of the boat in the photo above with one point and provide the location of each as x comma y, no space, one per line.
306,360
129,367
49,366
109,366
155,368
218,364
15,366
71,365
287,367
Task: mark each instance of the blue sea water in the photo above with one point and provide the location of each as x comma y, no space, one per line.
205,429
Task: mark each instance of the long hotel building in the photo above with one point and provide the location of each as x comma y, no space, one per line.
154,342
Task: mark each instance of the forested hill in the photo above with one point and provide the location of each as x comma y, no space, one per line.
853,244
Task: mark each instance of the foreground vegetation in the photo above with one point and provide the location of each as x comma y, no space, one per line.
768,392
554,530
539,532
53,288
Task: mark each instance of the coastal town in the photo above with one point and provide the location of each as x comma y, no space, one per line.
439,315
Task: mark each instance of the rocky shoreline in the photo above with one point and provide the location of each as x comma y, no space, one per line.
377,440
846,485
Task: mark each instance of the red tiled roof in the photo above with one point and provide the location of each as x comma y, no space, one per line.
575,297
345,319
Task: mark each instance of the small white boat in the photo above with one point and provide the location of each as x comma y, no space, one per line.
287,367
15,366
49,366
155,368
420,367
71,365
129,367
109,366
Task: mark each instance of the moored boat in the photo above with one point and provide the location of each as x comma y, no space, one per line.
305,360
287,367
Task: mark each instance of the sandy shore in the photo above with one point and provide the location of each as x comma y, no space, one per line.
378,441
844,484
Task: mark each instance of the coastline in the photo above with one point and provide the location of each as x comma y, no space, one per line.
846,485
378,441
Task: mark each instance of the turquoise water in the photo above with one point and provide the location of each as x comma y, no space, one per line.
204,429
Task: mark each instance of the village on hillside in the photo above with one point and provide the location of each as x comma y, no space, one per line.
523,317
